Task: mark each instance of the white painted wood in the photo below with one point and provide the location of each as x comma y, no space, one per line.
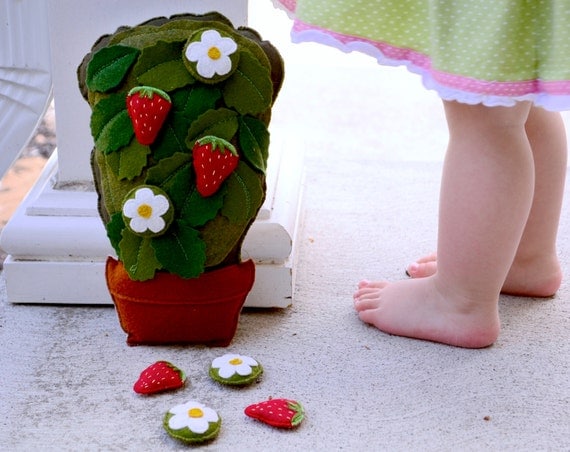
56,282
83,283
25,77
56,242
55,235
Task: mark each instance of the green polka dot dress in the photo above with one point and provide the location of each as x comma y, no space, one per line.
494,52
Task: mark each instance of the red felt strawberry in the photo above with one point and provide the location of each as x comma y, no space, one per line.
158,377
148,108
280,413
214,161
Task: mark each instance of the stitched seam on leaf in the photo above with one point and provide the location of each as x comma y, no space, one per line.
181,247
247,196
111,63
252,84
142,74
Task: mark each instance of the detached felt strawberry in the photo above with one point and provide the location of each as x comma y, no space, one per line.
158,377
280,413
148,108
214,159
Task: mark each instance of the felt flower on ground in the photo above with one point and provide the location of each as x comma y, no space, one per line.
192,422
235,369
195,416
147,211
211,54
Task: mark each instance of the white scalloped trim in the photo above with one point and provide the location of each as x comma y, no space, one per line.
547,101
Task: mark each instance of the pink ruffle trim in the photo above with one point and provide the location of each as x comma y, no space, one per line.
552,95
289,5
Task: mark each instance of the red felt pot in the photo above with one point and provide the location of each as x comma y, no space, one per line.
169,309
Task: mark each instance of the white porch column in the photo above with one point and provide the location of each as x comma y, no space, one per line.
56,241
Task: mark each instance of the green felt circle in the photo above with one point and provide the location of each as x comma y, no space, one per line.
168,217
237,380
190,437
192,66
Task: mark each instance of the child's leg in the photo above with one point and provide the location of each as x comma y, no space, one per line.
486,196
535,270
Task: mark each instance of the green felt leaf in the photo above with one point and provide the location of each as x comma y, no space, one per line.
138,256
221,236
111,126
112,162
130,161
195,101
179,185
109,66
181,251
143,36
198,210
113,190
167,172
161,66
254,141
175,176
172,137
164,169
114,229
249,90
221,123
100,170
245,195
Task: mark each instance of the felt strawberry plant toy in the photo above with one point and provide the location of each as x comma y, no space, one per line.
280,413
180,115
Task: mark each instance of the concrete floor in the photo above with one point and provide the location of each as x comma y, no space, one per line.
374,142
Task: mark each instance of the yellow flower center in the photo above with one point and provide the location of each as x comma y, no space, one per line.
236,362
195,413
214,53
145,211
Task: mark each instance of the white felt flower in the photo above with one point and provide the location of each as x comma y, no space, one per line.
212,54
193,415
231,364
145,211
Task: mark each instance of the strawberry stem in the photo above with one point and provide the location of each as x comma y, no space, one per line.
217,143
299,413
149,91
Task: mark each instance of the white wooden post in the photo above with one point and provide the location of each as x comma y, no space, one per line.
56,242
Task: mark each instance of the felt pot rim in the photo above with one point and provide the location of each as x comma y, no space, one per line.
211,287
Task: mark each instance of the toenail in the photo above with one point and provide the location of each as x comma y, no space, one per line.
413,267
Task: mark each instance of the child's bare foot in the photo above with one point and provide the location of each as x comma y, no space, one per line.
418,308
538,277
